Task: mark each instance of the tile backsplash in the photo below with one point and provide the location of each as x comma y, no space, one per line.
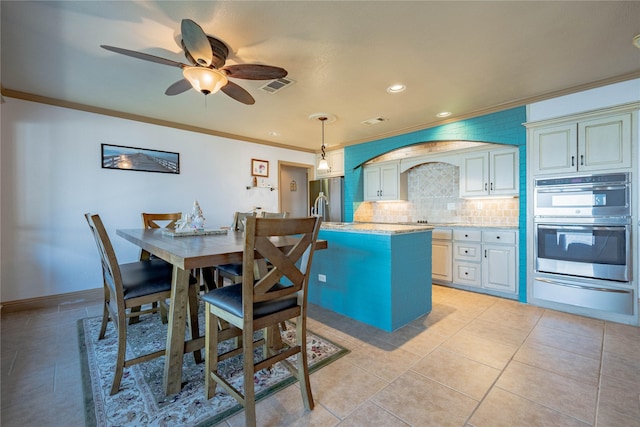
433,193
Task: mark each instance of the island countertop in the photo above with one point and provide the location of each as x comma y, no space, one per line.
375,227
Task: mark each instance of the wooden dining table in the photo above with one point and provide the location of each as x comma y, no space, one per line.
186,253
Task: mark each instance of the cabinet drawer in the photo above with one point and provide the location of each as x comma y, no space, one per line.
466,273
499,236
467,235
466,251
441,234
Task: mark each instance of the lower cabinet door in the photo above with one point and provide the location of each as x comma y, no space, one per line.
441,260
500,267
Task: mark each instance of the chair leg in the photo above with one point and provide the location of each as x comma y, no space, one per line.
105,320
248,370
134,319
193,319
211,352
164,312
303,367
122,350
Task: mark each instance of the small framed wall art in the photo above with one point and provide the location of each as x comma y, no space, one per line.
259,167
139,159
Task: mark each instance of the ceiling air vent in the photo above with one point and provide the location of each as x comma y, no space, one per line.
374,121
277,85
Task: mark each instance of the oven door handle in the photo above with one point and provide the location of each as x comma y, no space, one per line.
580,227
590,288
569,189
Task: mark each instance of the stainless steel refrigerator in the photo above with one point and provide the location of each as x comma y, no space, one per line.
332,208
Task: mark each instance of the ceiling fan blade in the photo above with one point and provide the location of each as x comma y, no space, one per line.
178,87
238,93
255,72
196,42
144,56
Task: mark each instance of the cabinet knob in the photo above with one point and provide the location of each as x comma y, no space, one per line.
466,252
498,237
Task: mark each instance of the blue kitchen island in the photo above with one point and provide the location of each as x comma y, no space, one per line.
379,274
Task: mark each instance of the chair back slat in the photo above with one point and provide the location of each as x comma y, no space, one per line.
149,219
149,222
264,214
291,262
239,220
110,268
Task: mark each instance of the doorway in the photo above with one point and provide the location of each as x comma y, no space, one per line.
293,185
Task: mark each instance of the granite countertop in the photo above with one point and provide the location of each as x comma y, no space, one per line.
375,227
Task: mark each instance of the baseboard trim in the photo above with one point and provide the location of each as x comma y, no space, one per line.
79,297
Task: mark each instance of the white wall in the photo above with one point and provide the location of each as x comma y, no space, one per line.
588,100
51,175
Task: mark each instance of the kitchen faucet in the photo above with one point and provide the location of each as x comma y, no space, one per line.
319,206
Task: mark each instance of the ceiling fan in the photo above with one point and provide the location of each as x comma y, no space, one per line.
207,73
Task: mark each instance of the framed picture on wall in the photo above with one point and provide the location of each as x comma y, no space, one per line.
259,167
139,159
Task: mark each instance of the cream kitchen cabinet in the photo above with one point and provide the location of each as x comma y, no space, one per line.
581,145
484,260
441,255
490,173
383,181
499,249
467,267
335,159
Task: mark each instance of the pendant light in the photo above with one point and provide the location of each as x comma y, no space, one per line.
323,165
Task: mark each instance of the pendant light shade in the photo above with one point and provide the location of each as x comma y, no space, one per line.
205,80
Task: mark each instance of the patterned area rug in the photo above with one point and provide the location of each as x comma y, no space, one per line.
141,400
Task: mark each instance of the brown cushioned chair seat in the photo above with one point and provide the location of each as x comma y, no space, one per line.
144,277
229,298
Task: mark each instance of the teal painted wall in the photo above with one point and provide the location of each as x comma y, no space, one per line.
503,127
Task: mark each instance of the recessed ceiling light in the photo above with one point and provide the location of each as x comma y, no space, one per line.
396,88
443,114
274,133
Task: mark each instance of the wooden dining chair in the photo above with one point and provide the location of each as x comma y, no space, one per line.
233,272
158,220
252,305
132,285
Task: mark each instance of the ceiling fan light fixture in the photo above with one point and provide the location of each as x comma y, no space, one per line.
205,80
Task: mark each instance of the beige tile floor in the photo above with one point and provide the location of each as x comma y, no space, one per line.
475,360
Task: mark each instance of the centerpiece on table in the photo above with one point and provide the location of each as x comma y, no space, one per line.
192,224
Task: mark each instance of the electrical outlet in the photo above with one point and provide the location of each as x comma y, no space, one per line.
451,206
322,278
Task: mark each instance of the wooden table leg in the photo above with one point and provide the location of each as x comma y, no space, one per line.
176,332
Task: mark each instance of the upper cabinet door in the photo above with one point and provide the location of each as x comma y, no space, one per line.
605,143
554,149
474,175
504,172
371,183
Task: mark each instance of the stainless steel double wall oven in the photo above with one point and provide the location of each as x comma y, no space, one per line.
582,242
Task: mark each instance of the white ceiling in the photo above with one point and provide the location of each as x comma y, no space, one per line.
465,57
